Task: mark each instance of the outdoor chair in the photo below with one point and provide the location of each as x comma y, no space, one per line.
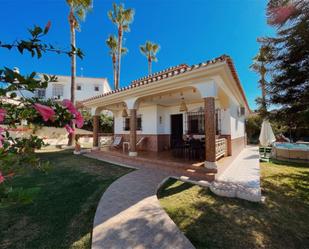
195,149
265,153
138,144
117,142
140,141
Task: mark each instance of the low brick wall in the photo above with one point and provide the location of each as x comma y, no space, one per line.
152,142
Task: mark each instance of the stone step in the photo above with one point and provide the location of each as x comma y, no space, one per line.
195,173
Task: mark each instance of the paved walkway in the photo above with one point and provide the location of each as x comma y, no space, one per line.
129,216
242,178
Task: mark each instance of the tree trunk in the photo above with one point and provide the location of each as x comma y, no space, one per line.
149,66
114,70
119,56
73,69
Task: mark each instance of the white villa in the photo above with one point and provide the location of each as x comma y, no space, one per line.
85,88
204,101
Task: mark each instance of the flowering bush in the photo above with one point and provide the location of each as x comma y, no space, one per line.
17,154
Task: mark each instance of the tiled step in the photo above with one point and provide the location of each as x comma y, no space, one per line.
195,173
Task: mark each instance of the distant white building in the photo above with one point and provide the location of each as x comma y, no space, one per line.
85,88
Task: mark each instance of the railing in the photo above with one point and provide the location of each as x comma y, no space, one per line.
221,147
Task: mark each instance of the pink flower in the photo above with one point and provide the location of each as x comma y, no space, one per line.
79,120
2,114
69,129
1,137
69,105
280,15
47,27
1,178
46,112
1,140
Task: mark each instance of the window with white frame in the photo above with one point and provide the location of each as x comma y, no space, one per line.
79,87
126,123
96,88
41,93
195,122
58,90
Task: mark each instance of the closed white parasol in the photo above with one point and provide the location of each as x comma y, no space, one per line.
267,136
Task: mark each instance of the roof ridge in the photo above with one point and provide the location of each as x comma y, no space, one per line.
170,72
182,65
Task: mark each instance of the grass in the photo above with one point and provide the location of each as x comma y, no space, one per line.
62,211
210,221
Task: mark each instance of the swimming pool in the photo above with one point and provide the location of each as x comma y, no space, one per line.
292,146
291,152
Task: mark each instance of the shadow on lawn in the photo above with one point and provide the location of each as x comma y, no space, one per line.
61,214
169,190
280,222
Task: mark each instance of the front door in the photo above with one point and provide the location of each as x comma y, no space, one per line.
176,129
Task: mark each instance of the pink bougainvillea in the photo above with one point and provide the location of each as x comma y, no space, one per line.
69,129
79,120
46,112
69,105
1,137
2,114
1,178
281,14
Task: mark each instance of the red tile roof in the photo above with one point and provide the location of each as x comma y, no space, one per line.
174,71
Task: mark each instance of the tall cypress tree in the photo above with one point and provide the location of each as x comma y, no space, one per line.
289,84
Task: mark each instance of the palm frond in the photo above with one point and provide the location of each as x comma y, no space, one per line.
124,51
111,42
153,58
121,17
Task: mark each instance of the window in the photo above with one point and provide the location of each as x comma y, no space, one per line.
41,93
57,91
78,87
195,122
126,123
96,88
218,122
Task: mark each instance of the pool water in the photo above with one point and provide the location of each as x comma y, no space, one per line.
292,146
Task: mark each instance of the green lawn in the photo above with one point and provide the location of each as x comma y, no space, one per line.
62,210
210,221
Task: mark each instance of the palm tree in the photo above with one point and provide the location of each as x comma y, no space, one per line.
122,18
150,50
77,13
259,66
112,43
78,10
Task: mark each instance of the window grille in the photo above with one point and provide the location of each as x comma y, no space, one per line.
218,121
41,93
195,122
126,123
57,90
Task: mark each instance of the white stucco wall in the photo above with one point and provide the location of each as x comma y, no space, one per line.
237,123
149,121
225,122
87,90
231,123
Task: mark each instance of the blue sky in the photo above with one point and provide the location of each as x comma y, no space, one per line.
189,31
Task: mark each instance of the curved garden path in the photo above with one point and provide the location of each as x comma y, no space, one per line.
129,215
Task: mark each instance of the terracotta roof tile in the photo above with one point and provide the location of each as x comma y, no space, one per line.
176,70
